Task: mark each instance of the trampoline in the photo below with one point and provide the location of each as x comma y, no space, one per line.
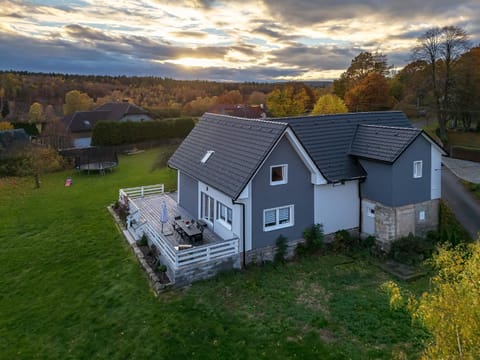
101,167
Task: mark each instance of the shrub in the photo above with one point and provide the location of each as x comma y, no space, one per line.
450,230
344,241
412,249
161,268
116,133
313,240
281,251
143,241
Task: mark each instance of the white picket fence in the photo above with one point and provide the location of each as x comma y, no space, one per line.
141,191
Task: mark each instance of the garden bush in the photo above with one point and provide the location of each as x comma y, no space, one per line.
107,133
281,251
412,249
313,240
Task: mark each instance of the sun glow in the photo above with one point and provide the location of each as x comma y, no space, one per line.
197,62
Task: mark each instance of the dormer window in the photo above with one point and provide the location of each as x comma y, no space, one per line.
207,156
278,174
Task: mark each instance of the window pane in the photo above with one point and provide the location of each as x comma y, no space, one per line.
284,215
277,173
212,208
270,217
229,215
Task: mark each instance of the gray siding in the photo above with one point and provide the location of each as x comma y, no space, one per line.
298,192
188,191
407,189
394,184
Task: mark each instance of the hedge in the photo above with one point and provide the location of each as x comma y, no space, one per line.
465,153
118,133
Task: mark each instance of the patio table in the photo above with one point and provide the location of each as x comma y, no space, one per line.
191,231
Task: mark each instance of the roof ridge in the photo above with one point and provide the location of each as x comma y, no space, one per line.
247,119
390,127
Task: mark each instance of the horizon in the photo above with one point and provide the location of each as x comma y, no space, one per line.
224,41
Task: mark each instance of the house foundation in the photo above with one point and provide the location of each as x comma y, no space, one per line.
392,223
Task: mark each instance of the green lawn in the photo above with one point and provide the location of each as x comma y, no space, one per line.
70,288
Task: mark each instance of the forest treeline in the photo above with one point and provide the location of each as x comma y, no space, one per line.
442,81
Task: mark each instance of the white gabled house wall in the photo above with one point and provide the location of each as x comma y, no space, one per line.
337,206
217,226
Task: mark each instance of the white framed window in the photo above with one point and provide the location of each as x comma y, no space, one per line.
277,218
224,215
207,207
278,174
207,156
417,169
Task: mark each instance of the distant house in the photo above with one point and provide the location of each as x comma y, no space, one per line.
11,140
240,110
370,173
80,124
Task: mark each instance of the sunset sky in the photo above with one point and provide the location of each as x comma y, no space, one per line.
269,40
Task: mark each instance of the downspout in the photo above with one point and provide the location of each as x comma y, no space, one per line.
244,262
360,215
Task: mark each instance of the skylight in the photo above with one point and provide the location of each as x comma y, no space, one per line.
206,156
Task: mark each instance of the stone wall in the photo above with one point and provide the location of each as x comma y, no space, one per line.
203,271
392,223
267,253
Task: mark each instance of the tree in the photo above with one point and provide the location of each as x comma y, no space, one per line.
76,101
5,125
440,48
370,94
199,106
450,311
232,97
288,100
35,114
329,104
50,114
257,98
361,66
34,161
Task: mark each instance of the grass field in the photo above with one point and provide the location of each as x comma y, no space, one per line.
71,289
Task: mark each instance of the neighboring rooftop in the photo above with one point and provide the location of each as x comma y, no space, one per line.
239,110
237,148
84,121
382,143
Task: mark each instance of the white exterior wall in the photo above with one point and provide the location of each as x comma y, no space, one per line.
368,218
436,174
337,206
217,227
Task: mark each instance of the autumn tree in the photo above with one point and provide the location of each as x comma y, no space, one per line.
76,101
329,104
370,94
35,114
257,98
232,97
199,106
5,125
441,48
361,66
288,100
450,311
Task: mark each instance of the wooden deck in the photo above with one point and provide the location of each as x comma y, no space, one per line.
150,211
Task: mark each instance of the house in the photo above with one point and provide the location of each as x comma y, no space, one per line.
240,110
12,140
370,173
80,124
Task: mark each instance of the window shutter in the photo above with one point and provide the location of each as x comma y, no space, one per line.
270,217
284,215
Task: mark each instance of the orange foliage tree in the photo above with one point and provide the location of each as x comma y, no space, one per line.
370,94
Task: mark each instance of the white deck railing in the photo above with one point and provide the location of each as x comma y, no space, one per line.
194,255
141,191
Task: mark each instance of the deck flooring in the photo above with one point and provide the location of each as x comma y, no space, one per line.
150,211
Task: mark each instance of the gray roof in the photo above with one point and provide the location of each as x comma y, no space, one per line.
240,145
9,139
84,121
382,143
328,138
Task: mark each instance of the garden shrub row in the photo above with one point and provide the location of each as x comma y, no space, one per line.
118,133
